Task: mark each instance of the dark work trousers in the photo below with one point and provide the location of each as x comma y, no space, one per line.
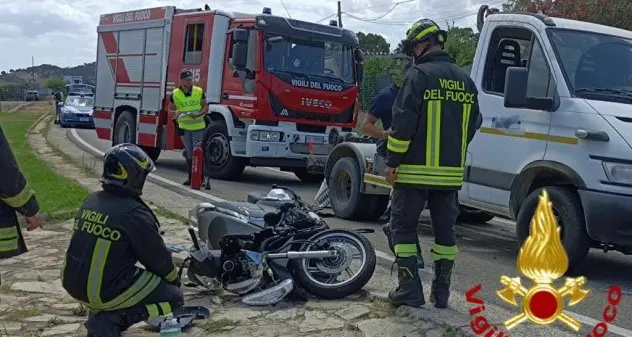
165,299
407,202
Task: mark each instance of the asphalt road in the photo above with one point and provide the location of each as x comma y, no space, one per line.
486,251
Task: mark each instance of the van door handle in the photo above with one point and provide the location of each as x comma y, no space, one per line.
596,135
225,95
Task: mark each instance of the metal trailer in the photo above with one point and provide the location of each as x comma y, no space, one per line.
357,187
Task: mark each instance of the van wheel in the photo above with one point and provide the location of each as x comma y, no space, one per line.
568,210
219,163
124,129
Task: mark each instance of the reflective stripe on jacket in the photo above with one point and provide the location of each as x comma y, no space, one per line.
434,118
113,232
15,196
189,106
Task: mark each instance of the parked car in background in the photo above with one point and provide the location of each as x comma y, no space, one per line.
76,112
31,95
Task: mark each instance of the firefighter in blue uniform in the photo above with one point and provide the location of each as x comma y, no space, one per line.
15,196
434,119
382,109
114,229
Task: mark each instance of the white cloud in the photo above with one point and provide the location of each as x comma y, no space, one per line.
63,32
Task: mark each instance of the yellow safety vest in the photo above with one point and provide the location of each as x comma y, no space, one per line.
189,106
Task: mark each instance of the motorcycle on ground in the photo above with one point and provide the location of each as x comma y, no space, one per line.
272,247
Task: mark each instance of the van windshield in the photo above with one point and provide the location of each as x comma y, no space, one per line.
298,56
594,63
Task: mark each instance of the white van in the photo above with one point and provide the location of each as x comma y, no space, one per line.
556,97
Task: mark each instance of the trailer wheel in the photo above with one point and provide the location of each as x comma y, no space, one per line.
219,163
473,216
344,183
304,176
124,129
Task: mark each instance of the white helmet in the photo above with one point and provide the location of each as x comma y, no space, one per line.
278,194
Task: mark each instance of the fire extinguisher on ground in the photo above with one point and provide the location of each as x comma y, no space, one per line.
197,167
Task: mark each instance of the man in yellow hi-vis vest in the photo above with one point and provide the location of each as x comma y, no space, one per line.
435,116
15,196
188,106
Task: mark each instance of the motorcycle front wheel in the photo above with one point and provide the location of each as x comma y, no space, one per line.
340,276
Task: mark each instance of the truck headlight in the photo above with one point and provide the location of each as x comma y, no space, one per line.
618,173
265,136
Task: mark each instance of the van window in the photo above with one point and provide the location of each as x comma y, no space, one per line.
509,47
539,83
193,44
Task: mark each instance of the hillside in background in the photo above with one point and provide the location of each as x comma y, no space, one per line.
45,72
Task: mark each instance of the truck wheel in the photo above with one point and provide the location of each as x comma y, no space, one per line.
219,163
124,129
344,191
301,173
568,210
473,216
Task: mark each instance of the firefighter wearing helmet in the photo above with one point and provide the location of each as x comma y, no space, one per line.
435,117
114,230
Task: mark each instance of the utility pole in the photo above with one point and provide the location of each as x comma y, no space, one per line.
339,15
32,72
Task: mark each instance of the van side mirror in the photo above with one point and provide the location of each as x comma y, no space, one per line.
516,80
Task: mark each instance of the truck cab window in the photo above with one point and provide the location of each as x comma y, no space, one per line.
193,44
509,47
540,82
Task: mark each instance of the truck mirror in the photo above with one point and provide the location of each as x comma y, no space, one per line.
516,80
241,35
358,56
359,71
240,55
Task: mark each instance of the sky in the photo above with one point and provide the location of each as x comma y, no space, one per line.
63,32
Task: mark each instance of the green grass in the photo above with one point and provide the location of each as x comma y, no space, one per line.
54,192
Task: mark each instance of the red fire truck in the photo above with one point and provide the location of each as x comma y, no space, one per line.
279,90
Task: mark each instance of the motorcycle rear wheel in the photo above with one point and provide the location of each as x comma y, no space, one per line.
316,284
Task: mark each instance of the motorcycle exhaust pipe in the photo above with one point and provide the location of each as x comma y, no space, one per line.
196,244
304,255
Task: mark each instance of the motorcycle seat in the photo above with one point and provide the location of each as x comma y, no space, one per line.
246,208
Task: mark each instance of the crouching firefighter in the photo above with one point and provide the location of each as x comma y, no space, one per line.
434,119
114,229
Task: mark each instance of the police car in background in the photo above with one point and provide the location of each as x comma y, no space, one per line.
76,111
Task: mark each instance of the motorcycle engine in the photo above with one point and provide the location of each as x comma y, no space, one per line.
240,267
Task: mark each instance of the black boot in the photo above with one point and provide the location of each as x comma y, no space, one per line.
409,291
189,167
440,288
104,324
387,231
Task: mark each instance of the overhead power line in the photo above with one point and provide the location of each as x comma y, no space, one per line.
438,17
286,11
